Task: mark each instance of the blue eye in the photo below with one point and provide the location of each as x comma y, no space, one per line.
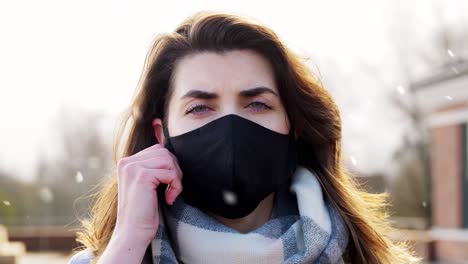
259,105
198,108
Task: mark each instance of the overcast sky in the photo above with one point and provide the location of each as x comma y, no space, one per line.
89,55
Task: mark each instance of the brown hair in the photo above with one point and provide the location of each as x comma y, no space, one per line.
309,107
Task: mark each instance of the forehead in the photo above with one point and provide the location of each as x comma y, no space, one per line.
219,72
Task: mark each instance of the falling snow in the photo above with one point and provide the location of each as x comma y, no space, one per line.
229,197
79,177
450,53
353,160
46,194
7,203
424,204
448,97
401,89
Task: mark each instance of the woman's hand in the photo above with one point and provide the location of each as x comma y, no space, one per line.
137,213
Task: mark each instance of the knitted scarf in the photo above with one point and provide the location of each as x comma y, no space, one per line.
303,228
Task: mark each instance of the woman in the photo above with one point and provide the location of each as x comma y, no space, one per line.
246,145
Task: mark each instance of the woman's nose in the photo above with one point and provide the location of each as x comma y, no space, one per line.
231,110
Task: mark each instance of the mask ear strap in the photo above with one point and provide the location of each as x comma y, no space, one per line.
168,143
166,133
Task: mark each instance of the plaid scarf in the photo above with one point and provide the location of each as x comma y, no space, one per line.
303,228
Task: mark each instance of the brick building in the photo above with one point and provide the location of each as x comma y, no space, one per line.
443,99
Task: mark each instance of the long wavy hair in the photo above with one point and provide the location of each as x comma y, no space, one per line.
308,104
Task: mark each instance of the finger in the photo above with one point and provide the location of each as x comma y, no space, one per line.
149,149
158,159
165,155
158,176
152,153
135,157
159,162
176,162
172,193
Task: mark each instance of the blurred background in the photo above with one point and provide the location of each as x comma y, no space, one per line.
397,69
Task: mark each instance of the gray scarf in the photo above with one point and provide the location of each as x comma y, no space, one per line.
303,228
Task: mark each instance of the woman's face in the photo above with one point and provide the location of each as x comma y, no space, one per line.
208,86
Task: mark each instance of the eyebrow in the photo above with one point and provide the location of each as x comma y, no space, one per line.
199,94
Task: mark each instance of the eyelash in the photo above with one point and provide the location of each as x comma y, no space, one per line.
194,107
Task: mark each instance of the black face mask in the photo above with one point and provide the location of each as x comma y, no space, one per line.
231,164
